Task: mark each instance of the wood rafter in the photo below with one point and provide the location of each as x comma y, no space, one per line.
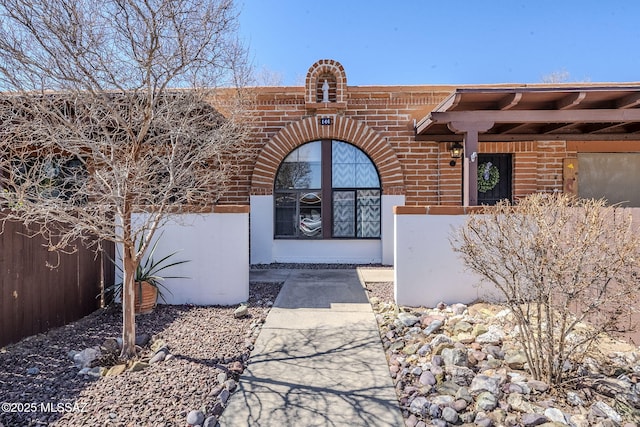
571,101
510,101
629,101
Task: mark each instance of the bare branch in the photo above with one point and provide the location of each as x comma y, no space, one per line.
560,264
113,108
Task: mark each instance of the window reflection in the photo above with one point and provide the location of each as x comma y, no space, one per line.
353,201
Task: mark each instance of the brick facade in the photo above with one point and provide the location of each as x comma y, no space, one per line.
379,120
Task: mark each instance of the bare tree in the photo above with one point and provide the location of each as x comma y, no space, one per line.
112,108
559,263
558,76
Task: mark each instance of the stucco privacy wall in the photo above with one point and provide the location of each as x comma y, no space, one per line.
217,247
427,270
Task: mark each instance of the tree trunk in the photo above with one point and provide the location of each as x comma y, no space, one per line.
128,307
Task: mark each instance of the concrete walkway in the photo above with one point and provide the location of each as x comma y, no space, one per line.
318,360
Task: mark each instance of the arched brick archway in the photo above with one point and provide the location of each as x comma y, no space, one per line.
344,129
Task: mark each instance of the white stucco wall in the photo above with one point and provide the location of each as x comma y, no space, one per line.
217,247
266,250
388,230
427,271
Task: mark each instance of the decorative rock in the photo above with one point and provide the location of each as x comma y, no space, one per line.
424,350
33,371
463,393
530,420
485,383
555,415
579,420
461,375
538,385
396,346
241,311
448,387
483,420
411,421
601,409
435,411
224,396
138,366
440,339
115,370
159,345
574,399
486,401
86,357
465,338
455,357
479,329
495,351
516,360
519,404
195,418
95,372
411,349
458,308
442,400
142,339
230,385
427,378
210,422
493,336
408,319
433,327
459,405
217,409
437,360
159,356
450,415
462,326
222,377
419,406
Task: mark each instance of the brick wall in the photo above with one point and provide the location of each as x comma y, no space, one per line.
379,120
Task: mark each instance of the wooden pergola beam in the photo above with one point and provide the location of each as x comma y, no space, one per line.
534,116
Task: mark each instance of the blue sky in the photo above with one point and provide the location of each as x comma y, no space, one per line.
447,41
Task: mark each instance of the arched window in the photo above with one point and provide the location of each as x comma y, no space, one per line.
327,189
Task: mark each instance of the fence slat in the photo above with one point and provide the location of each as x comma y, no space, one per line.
35,298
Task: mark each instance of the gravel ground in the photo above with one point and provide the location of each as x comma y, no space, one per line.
204,342
381,290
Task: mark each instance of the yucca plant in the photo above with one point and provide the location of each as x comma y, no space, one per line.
150,271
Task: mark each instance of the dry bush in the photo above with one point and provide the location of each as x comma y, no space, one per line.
112,108
558,262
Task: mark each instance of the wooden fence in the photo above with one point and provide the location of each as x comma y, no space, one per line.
34,297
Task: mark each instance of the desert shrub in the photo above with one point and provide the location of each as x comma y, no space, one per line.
566,267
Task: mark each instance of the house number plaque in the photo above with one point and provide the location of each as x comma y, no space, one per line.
326,121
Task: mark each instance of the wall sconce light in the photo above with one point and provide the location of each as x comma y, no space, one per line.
456,153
